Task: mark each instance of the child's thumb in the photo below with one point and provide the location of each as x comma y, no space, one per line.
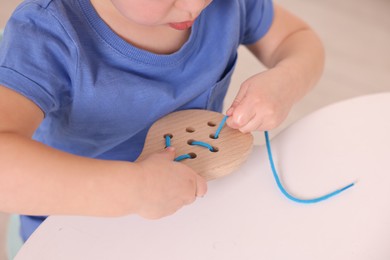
169,153
238,99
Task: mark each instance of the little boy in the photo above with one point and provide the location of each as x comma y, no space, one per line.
81,81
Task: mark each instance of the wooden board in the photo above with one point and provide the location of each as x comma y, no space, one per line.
231,147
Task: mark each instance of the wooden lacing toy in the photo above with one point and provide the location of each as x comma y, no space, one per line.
209,148
193,134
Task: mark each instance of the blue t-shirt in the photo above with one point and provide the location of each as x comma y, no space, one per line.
99,93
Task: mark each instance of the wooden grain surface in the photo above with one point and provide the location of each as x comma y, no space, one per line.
231,147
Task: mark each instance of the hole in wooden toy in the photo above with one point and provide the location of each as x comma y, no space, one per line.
168,142
212,124
192,155
190,129
190,141
212,136
215,149
168,135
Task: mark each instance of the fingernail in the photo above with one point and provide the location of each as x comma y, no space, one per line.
170,148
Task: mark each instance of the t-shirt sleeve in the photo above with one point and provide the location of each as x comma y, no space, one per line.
35,57
257,18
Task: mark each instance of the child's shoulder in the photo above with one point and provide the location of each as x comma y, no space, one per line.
37,23
42,4
42,13
45,7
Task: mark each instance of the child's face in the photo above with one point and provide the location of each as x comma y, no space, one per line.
178,14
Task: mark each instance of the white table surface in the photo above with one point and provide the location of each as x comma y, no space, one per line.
244,215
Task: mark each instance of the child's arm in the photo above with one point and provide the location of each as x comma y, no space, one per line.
38,180
295,56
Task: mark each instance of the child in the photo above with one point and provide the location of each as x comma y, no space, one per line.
83,80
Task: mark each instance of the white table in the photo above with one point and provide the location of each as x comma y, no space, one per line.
244,216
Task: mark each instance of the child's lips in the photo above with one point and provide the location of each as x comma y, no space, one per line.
182,25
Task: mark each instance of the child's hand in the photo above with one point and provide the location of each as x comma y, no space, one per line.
166,186
262,103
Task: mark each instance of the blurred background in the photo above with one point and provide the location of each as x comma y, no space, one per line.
356,35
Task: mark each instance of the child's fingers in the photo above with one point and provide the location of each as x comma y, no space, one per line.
200,182
229,112
238,99
255,124
235,103
242,114
169,153
189,200
239,119
201,186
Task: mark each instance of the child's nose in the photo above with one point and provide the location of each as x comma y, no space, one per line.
194,7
